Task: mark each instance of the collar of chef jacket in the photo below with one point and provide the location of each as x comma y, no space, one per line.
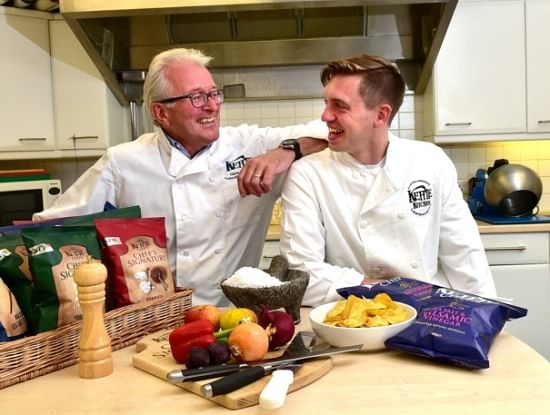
178,164
386,183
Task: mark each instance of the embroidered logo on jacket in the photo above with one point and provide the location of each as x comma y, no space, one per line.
420,197
233,167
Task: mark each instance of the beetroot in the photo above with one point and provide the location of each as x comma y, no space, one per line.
198,357
219,353
279,325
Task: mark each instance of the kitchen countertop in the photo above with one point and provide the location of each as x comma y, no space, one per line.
385,382
484,227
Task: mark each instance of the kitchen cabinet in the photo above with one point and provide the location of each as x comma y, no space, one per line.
478,84
54,101
87,115
537,18
490,79
25,82
520,263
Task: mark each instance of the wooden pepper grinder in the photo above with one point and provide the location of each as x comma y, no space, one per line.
94,351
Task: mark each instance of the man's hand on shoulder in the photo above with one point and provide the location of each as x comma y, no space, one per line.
257,175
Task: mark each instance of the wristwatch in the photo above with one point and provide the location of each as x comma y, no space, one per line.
294,145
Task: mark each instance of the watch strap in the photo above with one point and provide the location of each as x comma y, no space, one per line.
292,144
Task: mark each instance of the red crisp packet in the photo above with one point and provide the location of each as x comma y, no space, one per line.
452,326
134,251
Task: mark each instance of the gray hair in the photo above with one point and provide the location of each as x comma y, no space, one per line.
156,86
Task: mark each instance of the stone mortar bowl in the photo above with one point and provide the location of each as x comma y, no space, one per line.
288,296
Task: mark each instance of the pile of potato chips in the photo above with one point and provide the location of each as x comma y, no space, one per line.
357,312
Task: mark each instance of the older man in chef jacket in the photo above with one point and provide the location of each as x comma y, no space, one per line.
373,205
195,174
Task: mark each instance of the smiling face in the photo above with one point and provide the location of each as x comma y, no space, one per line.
353,127
193,127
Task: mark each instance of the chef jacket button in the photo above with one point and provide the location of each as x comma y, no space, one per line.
185,253
185,218
219,213
218,251
211,179
363,224
415,264
400,215
355,174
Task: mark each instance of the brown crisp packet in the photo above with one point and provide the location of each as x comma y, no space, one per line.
13,324
134,251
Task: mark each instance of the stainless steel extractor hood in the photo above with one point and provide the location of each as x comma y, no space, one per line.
122,36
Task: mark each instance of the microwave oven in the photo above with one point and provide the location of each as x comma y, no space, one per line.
20,199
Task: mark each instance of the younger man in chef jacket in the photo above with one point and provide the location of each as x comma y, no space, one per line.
373,205
195,174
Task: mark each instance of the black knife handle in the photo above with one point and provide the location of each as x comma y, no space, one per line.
178,376
233,381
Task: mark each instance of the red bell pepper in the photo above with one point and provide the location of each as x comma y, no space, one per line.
198,333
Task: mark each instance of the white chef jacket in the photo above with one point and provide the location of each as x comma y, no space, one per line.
412,221
211,230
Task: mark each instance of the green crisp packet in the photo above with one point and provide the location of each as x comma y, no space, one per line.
14,269
54,254
127,212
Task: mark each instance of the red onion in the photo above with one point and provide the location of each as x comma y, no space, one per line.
278,324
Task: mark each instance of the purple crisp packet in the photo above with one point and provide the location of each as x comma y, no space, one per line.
452,326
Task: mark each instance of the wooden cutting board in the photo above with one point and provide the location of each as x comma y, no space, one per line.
154,357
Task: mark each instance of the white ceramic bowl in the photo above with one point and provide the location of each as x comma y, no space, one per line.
372,338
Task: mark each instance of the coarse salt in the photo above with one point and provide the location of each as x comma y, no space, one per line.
248,277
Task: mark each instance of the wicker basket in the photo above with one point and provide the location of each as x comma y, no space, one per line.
34,356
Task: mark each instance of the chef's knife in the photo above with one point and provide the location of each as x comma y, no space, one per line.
300,344
186,375
237,380
242,378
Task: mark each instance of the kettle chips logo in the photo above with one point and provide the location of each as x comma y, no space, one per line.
420,197
4,253
234,167
40,249
140,244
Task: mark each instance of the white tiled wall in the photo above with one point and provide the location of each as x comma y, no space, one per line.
271,113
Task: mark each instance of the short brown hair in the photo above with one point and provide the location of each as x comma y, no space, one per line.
381,80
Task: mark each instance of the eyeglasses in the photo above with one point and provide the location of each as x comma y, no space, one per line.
198,99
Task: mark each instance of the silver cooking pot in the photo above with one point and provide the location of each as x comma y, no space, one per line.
514,189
